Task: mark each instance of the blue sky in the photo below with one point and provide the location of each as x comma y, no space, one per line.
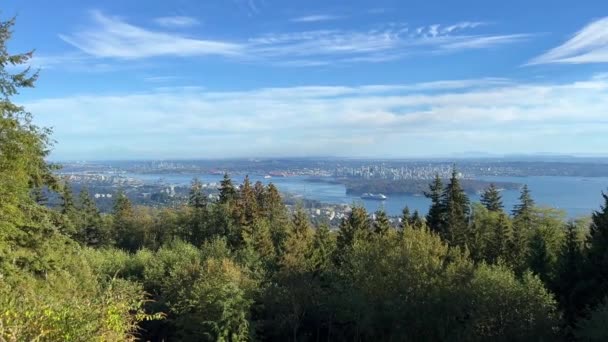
242,78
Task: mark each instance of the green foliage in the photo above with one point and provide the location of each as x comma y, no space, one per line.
491,199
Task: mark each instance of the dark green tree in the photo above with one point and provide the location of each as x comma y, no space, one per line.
456,205
382,225
406,218
524,209
597,254
227,191
416,221
491,199
353,227
92,231
197,201
566,284
435,216
276,212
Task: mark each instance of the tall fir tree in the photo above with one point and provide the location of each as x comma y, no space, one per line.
416,221
498,245
197,201
197,198
276,212
455,203
597,254
247,203
92,231
406,218
227,191
435,216
382,225
524,209
122,229
322,248
491,199
566,284
353,227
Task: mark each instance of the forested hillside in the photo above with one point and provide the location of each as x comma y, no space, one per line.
243,268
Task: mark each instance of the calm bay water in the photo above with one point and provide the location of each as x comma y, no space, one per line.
576,195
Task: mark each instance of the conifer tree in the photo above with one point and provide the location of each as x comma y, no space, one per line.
91,232
322,248
67,200
277,215
416,221
353,227
227,191
499,240
491,199
524,209
197,198
597,253
123,229
435,216
198,222
381,224
569,276
406,218
456,205
247,203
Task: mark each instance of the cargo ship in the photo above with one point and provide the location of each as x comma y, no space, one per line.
377,197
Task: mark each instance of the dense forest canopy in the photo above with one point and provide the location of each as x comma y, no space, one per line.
244,268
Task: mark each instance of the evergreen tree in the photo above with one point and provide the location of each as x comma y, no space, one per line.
524,210
92,231
435,216
198,222
227,191
353,227
456,205
416,221
260,196
67,200
123,229
499,240
569,276
300,223
247,203
381,224
597,254
322,248
491,199
406,218
277,215
197,198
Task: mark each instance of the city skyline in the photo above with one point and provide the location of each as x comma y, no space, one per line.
233,79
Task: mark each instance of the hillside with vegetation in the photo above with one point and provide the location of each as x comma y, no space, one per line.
242,268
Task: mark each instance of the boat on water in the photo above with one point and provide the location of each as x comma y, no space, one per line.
377,197
267,177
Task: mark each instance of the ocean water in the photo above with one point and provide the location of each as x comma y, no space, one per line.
577,196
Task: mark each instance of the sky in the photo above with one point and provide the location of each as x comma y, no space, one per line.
189,79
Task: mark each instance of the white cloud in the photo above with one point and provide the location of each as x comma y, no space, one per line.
113,37
589,45
176,21
331,119
315,18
